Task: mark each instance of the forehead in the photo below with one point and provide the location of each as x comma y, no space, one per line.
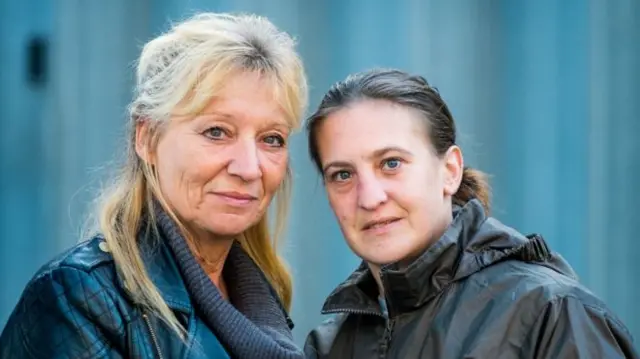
367,126
247,96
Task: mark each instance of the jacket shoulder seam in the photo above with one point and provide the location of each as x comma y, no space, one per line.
61,266
600,309
61,269
94,257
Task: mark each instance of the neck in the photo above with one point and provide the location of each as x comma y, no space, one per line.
211,253
255,325
375,271
406,261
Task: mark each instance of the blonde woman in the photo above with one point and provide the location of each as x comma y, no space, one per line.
184,265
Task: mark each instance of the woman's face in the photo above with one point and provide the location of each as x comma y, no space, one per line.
388,189
220,170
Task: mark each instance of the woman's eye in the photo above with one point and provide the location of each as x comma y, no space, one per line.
340,176
391,164
215,133
274,140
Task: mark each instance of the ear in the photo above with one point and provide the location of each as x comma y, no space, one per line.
143,134
453,169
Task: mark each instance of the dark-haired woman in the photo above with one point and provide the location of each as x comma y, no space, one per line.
440,278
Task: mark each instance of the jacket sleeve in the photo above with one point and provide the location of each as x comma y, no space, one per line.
568,328
63,313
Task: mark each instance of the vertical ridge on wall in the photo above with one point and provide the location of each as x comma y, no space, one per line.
93,73
598,148
572,124
26,190
533,102
615,71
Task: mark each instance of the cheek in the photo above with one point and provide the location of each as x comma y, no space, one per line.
425,181
415,193
342,207
168,165
274,171
422,198
185,170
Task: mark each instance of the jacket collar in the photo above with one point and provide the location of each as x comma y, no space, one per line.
472,242
163,271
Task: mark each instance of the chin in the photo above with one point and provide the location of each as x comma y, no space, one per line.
381,259
229,227
389,253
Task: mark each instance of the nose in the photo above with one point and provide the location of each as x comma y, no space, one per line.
371,193
245,162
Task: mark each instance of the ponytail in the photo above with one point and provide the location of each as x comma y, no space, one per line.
474,185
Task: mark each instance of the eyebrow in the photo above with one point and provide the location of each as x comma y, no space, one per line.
376,154
228,116
335,164
383,151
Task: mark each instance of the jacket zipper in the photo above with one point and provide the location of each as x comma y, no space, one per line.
386,339
154,338
352,311
388,330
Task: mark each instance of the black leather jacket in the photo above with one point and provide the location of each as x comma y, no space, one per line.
77,307
482,291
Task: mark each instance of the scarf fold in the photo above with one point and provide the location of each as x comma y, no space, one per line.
255,325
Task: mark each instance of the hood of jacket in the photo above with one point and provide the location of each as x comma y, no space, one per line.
472,242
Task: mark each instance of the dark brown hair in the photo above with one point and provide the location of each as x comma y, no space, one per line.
406,90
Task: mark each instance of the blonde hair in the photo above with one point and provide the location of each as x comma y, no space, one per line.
178,73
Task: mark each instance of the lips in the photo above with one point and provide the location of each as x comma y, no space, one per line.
235,199
237,195
381,222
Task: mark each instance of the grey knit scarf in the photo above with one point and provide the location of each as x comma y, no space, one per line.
253,325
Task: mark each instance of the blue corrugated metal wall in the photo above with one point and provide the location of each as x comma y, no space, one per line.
545,94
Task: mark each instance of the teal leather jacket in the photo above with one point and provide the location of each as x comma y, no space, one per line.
77,307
